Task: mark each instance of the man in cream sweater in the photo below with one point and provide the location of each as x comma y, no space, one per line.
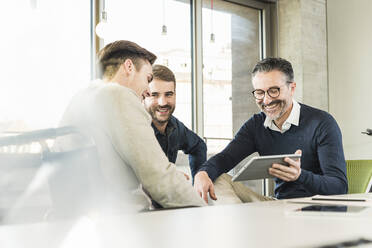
110,111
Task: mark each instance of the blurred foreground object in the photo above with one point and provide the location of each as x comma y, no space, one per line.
42,183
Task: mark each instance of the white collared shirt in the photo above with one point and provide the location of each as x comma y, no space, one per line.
293,119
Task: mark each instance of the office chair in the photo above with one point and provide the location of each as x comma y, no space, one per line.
359,175
57,181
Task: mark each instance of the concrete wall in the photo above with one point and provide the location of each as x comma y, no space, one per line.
349,65
245,48
302,39
332,38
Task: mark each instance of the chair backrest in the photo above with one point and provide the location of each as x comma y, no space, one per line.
55,182
359,175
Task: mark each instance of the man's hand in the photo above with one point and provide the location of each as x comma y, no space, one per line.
187,176
287,173
204,185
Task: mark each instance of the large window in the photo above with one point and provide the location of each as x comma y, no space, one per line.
142,21
231,47
45,58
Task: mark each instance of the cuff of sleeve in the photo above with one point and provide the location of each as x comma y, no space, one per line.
212,173
303,177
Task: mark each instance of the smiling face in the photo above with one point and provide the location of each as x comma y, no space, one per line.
162,100
276,108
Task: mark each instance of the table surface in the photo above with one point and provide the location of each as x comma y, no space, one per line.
262,224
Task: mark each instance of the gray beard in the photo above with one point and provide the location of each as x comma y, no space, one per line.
282,105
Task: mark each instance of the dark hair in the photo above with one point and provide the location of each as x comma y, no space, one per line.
270,64
114,54
162,72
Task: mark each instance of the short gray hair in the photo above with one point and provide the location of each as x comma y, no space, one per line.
270,64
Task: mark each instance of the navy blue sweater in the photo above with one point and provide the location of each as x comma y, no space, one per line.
323,167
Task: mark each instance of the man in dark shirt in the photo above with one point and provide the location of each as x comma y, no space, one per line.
171,133
283,127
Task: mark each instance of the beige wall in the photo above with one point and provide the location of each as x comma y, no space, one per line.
333,38
349,66
302,36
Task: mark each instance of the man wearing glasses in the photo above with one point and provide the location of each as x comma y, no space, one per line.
284,126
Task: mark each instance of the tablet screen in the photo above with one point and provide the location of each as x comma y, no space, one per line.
331,208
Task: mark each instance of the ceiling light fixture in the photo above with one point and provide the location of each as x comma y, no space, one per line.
164,27
213,38
101,28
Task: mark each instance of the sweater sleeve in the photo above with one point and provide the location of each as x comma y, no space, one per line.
239,148
331,159
194,146
128,127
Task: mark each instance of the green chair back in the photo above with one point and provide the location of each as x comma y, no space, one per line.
359,173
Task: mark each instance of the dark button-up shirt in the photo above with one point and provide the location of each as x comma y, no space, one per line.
178,137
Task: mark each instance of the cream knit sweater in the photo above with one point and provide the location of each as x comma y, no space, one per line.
129,152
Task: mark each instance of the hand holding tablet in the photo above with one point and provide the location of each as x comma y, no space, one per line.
258,167
289,172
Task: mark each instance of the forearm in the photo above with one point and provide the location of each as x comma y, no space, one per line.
323,184
197,159
217,165
169,187
194,146
159,177
239,148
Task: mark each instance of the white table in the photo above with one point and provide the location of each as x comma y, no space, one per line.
264,224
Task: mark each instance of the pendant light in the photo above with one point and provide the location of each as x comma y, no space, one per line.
212,38
164,27
101,28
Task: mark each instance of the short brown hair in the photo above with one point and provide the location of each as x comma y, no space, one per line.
115,53
162,72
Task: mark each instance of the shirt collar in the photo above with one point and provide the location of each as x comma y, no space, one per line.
293,119
168,130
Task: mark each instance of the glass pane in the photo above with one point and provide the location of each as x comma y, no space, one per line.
45,58
231,47
141,21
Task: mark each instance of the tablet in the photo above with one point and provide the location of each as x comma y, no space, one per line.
331,208
258,167
320,209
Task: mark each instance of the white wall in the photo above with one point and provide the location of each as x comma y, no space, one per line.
349,26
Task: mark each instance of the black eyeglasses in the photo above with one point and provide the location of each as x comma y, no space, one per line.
273,92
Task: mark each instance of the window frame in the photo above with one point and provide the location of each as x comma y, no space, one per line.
196,48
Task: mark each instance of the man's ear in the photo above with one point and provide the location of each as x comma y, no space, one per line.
293,87
128,66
